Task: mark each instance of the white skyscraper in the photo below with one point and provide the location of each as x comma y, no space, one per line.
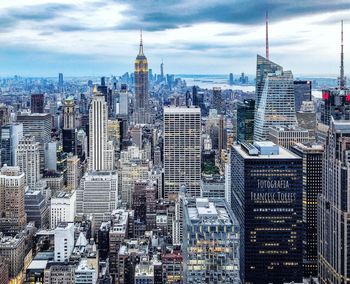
97,194
276,106
28,159
98,117
182,150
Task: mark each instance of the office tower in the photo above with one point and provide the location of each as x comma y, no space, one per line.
64,241
10,135
97,195
196,100
73,173
218,102
188,99
312,155
12,251
275,106
69,128
37,103
62,208
5,113
307,117
4,272
245,121
141,114
182,150
28,159
302,92
230,80
136,136
267,200
60,79
123,100
98,133
333,207
162,71
51,156
36,208
39,126
12,188
211,242
263,67
288,136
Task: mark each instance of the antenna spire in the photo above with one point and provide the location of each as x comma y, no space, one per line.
342,79
267,36
141,43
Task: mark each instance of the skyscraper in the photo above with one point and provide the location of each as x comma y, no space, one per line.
245,121
218,101
333,207
182,150
10,136
302,92
98,132
69,130
28,159
211,242
37,103
162,70
38,125
267,200
60,79
275,104
97,195
12,188
312,156
141,114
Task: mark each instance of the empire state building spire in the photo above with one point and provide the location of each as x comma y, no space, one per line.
141,44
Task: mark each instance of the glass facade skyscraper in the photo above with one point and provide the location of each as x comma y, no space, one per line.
276,104
245,121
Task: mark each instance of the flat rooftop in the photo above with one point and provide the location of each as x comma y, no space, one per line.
205,211
175,110
282,153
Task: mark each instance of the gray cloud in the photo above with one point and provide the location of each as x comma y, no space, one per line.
160,15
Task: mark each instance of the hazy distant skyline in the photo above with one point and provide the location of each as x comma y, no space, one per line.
101,37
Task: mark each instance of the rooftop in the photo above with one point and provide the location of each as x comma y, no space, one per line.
205,211
282,153
179,110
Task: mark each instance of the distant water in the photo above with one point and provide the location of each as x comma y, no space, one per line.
210,81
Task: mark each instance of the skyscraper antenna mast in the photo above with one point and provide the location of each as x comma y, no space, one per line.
267,36
342,79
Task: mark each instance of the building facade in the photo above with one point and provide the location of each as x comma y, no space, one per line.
267,200
182,150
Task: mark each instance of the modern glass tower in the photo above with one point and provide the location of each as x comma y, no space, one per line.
275,103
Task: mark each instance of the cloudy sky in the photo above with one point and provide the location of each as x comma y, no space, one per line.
101,37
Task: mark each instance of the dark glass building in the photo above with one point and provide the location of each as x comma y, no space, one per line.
245,121
312,155
267,201
37,103
302,92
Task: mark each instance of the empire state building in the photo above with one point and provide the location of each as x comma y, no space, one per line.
141,114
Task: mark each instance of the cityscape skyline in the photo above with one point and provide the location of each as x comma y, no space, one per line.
93,38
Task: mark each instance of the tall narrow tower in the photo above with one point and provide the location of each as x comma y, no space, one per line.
98,118
342,78
141,86
267,36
